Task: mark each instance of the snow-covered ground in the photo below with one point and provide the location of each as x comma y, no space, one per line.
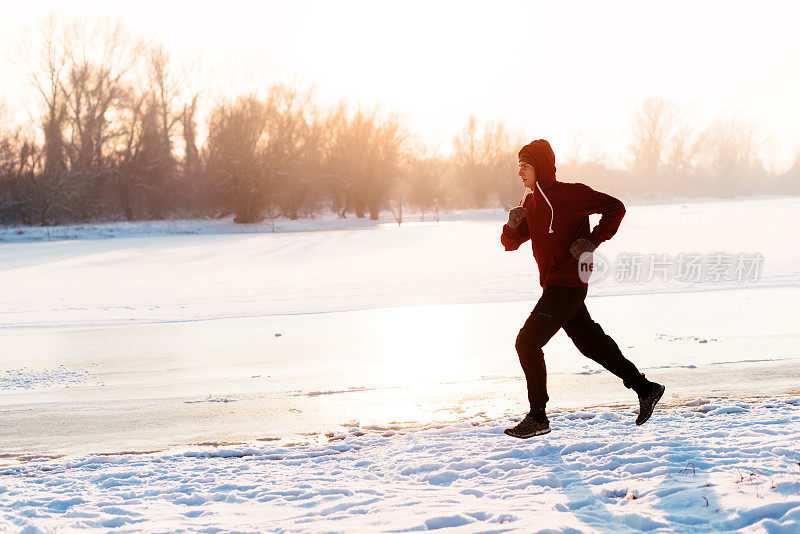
361,379
708,467
225,225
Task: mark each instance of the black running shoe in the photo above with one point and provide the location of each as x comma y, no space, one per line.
648,403
527,428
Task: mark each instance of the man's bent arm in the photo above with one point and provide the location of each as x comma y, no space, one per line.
512,238
612,211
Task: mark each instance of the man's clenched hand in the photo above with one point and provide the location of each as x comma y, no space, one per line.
515,216
580,246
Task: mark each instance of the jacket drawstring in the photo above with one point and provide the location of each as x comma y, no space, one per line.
548,203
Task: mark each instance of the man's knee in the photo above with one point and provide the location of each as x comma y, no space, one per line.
520,344
528,344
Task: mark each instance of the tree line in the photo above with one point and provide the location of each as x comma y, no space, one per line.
120,136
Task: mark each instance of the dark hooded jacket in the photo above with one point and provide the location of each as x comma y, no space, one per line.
557,215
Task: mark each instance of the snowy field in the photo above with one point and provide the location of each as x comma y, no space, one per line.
167,278
709,467
359,379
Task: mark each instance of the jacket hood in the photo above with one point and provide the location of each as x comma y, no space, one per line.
539,154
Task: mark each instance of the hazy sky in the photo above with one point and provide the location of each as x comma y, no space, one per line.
546,69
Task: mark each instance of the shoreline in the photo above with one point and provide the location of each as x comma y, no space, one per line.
401,428
311,417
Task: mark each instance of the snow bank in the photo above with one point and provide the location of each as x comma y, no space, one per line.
118,229
710,466
324,221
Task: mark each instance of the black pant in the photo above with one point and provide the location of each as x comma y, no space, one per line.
564,307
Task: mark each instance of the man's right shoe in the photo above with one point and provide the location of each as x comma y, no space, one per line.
528,428
647,404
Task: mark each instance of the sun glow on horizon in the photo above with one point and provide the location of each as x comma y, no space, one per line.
572,74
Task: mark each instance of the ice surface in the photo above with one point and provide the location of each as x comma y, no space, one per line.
145,387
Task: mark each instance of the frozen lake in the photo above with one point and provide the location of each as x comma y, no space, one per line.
143,387
142,343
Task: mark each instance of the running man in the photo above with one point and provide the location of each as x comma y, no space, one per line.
555,217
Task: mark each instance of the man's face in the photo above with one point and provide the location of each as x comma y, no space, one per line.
528,174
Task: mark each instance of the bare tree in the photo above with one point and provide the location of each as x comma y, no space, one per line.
581,152
485,165
165,89
789,182
336,179
20,161
188,120
365,159
728,158
425,183
99,57
654,126
45,63
267,153
233,160
388,158
78,69
662,147
292,151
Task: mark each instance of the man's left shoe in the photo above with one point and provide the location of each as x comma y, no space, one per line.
528,428
647,404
